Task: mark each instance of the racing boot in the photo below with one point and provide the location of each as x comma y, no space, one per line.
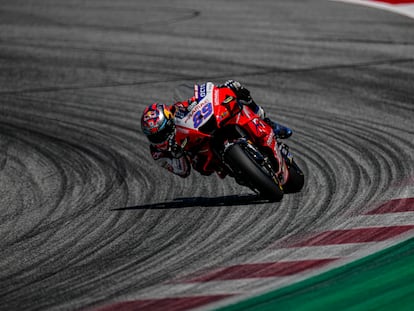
279,130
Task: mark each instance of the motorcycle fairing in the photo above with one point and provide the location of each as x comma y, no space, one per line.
222,105
201,110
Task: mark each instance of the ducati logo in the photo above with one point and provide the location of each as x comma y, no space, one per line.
227,100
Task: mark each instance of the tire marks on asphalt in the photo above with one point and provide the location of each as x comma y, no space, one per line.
77,164
327,249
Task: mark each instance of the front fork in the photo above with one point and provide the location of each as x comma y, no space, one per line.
260,158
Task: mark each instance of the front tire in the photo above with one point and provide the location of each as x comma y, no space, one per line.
245,168
296,179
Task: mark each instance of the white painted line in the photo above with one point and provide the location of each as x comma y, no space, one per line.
403,9
308,253
230,287
372,221
406,192
342,252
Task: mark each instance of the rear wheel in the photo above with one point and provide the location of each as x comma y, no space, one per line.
247,169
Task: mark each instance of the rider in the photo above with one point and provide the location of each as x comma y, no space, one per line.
158,125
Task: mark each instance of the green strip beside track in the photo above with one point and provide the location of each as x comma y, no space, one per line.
382,281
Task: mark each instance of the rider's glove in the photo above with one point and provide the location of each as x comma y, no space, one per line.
243,94
175,149
234,85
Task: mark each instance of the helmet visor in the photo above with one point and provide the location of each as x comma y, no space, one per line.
160,136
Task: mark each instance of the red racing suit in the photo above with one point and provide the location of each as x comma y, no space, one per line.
165,157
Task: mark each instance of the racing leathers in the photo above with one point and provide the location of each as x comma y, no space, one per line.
165,158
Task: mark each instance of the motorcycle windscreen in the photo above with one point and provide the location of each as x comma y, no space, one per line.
183,92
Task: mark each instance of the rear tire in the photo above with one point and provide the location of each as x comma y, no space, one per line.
252,174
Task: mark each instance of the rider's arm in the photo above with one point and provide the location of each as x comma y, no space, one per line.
244,97
179,166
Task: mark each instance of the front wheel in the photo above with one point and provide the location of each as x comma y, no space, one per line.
247,169
296,179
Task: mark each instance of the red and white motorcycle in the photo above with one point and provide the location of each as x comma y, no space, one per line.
230,139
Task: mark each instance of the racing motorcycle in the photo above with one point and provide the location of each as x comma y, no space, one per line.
228,138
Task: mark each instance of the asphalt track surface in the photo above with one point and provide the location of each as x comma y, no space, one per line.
86,215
